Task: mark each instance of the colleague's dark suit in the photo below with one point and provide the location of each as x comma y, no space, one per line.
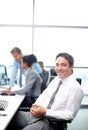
32,87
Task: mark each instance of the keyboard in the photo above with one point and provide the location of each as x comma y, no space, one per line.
3,104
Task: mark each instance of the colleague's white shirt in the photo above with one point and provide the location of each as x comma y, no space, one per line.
67,101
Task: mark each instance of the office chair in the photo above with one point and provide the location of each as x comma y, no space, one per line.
79,80
58,124
52,75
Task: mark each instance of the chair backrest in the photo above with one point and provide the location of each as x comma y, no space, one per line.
79,80
51,76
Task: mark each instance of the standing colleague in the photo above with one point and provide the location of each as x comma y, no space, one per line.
66,102
17,55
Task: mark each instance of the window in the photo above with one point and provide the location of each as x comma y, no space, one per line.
45,28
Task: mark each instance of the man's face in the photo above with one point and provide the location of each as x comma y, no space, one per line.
62,68
17,56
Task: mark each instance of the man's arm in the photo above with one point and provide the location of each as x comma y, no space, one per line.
13,75
37,110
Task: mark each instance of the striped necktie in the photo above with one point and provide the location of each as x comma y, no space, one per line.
53,96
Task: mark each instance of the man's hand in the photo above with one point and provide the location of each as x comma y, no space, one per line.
37,110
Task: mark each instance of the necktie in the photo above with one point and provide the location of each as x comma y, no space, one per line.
53,96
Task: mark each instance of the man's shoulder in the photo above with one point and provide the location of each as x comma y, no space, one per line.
14,63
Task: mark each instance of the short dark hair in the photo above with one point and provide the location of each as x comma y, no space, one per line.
16,50
29,59
26,59
33,58
68,57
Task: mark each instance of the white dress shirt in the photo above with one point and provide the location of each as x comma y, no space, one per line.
67,101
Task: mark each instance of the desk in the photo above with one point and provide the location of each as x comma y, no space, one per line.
14,103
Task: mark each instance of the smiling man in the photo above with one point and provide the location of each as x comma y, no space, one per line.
66,103
64,65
